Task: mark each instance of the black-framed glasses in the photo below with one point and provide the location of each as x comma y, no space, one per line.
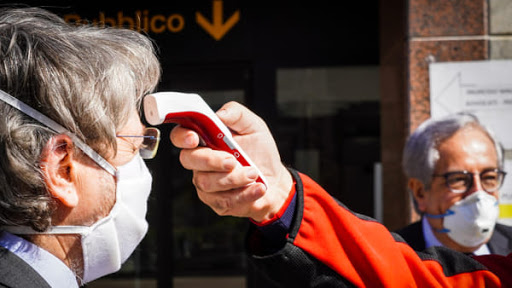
461,181
149,146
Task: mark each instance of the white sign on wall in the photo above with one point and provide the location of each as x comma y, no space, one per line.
481,87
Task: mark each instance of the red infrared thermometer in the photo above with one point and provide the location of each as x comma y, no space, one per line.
192,112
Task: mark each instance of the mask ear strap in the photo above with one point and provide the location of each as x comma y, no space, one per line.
36,115
25,230
444,230
439,216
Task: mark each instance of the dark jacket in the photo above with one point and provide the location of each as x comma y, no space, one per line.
16,273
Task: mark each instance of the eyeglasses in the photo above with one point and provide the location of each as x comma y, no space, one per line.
150,142
461,181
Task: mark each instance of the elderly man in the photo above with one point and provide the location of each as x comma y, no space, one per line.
455,170
73,186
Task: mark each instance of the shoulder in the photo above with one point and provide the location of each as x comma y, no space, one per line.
501,240
413,235
504,229
14,272
412,228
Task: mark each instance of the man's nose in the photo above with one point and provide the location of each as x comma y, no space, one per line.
476,184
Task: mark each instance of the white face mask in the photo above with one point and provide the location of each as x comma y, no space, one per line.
108,243
470,221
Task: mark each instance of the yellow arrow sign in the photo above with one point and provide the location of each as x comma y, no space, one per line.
217,29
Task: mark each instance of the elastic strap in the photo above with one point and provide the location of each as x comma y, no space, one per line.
16,103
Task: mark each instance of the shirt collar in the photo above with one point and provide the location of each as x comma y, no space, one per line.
52,269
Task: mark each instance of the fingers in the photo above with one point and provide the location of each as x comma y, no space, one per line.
184,138
222,181
236,202
240,119
231,193
236,116
208,160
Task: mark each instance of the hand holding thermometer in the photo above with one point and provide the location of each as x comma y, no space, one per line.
190,111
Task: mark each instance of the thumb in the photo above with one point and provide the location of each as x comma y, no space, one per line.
240,119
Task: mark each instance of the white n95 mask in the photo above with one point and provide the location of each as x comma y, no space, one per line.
109,242
470,221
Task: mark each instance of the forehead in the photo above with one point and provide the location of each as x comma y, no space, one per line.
468,149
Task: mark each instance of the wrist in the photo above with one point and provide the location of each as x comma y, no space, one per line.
277,198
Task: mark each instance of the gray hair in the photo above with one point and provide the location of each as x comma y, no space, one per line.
87,79
421,153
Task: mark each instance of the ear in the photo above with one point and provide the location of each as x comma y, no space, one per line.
57,168
418,192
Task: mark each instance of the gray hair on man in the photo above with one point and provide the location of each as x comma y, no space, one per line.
421,153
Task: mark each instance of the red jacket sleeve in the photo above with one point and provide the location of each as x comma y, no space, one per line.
353,249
